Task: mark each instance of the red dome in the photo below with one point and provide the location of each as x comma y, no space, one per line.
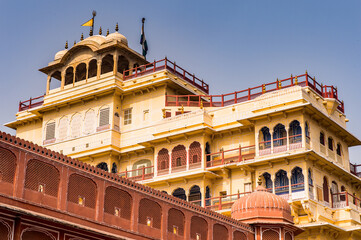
262,206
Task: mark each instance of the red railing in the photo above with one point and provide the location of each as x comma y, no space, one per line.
170,66
220,202
239,154
343,199
354,169
251,93
139,174
32,102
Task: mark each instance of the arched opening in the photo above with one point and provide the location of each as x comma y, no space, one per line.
103,166
195,195
237,235
297,180
107,64
195,154
310,183
325,190
150,213
63,128
208,196
330,143
270,234
339,149
208,152
307,133
279,138
163,161
50,132
55,80
179,158
76,125
7,166
264,138
81,191
281,182
5,230
92,68
114,168
322,138
123,65
142,168
334,193
343,193
69,76
220,232
295,135
31,234
180,193
89,122
268,184
80,73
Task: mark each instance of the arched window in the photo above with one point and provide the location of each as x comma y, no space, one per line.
7,166
220,232
268,181
50,131
270,234
195,153
123,65
55,80
80,73
307,133
114,168
237,235
281,182
338,149
63,128
180,193
103,166
92,69
297,180
208,151
179,157
208,196
334,192
118,203
142,168
199,228
89,122
325,190
195,195
76,125
330,143
81,191
279,135
295,132
265,138
107,64
69,76
343,193
163,161
322,138
150,213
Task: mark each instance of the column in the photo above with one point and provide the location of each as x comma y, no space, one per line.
273,183
271,133
187,163
99,68
87,72
305,177
257,143
164,224
74,74
115,66
62,80
48,84
289,186
288,138
100,200
303,132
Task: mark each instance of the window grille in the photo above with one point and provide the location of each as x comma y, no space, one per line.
50,131
127,116
89,122
104,117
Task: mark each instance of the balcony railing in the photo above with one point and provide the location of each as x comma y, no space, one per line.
345,199
281,144
236,155
139,174
31,103
221,202
251,93
170,66
354,169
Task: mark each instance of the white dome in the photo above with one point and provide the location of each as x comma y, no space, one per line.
96,38
60,54
117,36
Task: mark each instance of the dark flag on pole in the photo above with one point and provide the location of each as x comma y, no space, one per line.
143,41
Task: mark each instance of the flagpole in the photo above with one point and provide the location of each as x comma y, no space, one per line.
94,14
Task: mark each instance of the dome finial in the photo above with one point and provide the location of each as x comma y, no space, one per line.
259,180
66,45
74,42
107,31
82,37
116,27
91,32
100,31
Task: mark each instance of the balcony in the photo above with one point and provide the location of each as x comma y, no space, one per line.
165,64
281,145
226,157
251,93
354,169
31,103
345,199
139,174
223,202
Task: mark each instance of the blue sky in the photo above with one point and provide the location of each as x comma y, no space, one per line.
232,45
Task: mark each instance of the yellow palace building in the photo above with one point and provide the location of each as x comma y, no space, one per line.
155,123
